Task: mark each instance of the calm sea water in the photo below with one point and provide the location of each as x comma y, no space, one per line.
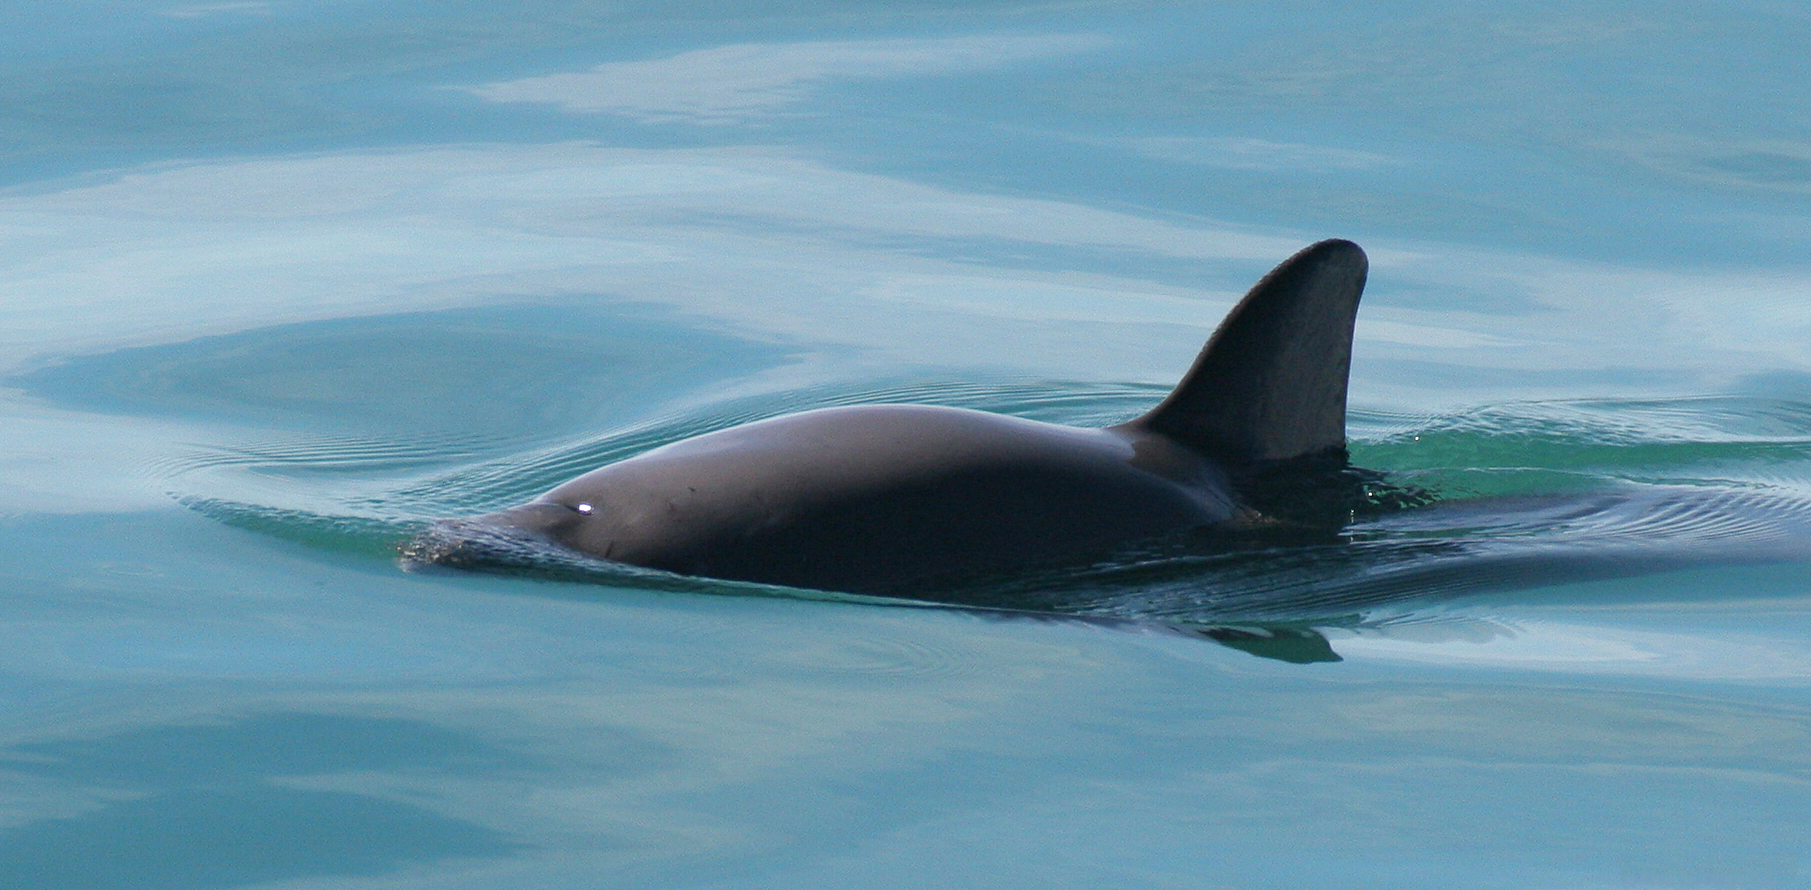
280,281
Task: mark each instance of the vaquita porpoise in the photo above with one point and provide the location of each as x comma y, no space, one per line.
875,498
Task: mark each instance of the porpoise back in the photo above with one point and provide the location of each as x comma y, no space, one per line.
884,498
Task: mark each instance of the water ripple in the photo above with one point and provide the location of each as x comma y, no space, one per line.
1533,493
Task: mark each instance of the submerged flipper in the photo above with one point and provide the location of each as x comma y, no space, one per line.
1271,383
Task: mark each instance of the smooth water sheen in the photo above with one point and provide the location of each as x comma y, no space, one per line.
282,281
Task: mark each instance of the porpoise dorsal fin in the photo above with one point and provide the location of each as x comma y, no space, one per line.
1271,382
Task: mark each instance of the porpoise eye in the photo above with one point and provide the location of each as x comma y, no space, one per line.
583,508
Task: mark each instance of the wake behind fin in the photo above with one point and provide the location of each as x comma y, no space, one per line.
1270,384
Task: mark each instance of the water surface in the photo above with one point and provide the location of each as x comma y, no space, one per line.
281,281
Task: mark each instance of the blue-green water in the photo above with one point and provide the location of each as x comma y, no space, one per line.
281,281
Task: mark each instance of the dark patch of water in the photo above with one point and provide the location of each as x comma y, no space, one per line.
445,380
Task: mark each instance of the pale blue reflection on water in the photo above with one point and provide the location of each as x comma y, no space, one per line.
280,280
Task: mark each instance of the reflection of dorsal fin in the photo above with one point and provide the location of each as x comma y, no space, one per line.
1271,382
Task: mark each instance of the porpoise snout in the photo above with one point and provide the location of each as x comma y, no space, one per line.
519,536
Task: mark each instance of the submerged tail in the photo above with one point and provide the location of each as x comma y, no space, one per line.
1271,382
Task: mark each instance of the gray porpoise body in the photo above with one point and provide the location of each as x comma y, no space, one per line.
872,498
